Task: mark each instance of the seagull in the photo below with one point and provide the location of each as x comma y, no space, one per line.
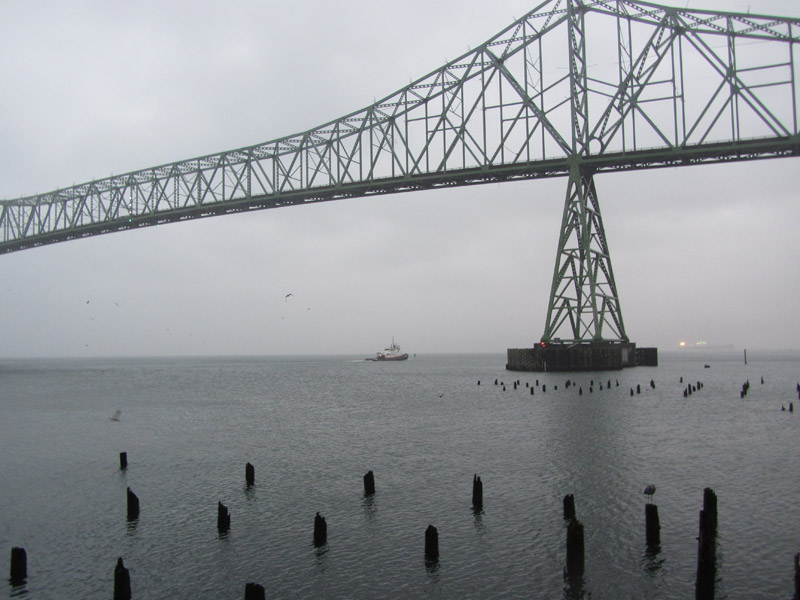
649,491
286,297
116,416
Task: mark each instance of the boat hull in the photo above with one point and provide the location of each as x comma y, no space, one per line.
398,357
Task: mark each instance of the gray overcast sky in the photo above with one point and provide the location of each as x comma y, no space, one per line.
92,88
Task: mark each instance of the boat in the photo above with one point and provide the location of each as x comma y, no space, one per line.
390,353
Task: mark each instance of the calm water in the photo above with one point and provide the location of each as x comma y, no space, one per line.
313,426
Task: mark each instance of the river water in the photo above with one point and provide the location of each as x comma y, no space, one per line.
313,426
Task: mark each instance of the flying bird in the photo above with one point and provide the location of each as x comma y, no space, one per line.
286,297
649,491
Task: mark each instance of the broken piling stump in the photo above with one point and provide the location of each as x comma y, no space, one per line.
123,460
569,507
249,474
369,484
652,525
19,566
254,591
575,559
431,543
133,505
706,559
320,531
223,518
710,507
707,547
122,582
477,492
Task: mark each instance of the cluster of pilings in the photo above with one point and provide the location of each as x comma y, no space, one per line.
745,388
791,409
688,390
691,388
575,548
570,383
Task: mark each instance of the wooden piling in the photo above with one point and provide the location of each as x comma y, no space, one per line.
710,507
254,591
369,484
223,518
652,525
569,507
431,543
575,558
477,493
123,460
122,582
706,559
249,474
797,577
320,531
133,505
19,566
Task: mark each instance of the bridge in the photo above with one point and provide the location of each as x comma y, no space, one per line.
572,89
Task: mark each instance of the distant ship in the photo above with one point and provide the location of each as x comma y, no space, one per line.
706,346
390,353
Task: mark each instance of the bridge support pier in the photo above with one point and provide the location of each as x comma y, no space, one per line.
584,303
580,357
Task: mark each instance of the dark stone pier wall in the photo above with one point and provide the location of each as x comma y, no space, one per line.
580,357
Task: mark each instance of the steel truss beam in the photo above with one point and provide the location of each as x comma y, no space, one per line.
609,84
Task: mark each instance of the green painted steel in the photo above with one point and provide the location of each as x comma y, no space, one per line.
572,89
583,298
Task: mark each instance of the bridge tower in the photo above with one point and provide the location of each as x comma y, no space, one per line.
584,329
583,292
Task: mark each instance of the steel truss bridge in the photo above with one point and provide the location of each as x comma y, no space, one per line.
573,88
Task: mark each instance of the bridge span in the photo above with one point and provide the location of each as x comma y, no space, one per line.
571,89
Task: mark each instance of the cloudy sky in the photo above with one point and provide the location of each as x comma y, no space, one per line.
93,88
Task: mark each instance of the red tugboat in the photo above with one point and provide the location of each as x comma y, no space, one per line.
390,353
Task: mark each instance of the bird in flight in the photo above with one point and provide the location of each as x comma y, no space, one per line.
286,297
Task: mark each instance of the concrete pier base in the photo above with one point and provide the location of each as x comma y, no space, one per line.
602,356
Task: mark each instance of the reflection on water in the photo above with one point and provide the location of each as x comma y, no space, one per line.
651,562
573,587
19,590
